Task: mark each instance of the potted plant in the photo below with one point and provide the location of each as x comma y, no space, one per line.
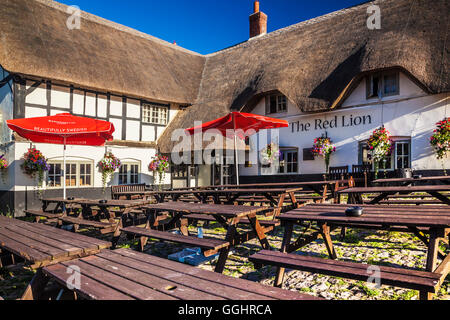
380,145
35,165
440,141
270,154
324,147
159,166
108,165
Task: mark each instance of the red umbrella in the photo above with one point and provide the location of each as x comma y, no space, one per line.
64,129
236,124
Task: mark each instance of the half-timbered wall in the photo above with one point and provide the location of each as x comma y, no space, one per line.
44,98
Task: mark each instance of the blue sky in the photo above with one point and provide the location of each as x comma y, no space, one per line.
205,26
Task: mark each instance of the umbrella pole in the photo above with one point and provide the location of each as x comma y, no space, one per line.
64,170
235,150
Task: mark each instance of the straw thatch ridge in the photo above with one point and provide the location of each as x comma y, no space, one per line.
313,62
102,55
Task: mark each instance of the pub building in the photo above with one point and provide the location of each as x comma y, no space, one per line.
329,76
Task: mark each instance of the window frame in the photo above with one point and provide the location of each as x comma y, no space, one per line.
148,115
77,174
285,156
382,83
394,155
129,172
279,103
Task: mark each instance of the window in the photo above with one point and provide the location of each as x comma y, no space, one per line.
54,175
399,159
85,174
276,104
179,171
402,154
288,161
129,173
154,114
382,85
78,174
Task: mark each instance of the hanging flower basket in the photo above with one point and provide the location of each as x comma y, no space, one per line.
323,147
159,166
35,165
107,166
380,145
270,155
441,141
3,167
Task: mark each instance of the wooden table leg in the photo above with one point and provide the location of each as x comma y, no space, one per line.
36,287
441,197
288,229
433,248
325,232
223,255
256,226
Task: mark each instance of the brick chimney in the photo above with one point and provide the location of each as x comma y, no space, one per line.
258,22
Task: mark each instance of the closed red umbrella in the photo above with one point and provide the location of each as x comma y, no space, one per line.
64,129
236,124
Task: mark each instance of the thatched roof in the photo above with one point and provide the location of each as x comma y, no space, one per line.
313,62
102,55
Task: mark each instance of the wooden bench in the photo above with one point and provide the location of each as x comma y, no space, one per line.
410,202
410,279
38,214
104,227
208,218
208,246
116,190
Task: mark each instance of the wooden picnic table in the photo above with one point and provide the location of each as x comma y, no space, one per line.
410,181
319,187
329,216
231,195
434,191
40,245
61,203
124,206
229,216
124,274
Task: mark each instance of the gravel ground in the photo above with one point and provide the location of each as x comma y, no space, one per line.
374,247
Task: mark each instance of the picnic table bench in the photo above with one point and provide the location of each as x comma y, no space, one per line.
410,181
406,278
209,246
436,191
229,216
129,192
124,274
436,219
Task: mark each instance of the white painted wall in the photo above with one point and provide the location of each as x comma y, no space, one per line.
410,114
84,103
85,153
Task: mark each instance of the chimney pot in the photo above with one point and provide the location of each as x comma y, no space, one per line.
256,7
258,22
